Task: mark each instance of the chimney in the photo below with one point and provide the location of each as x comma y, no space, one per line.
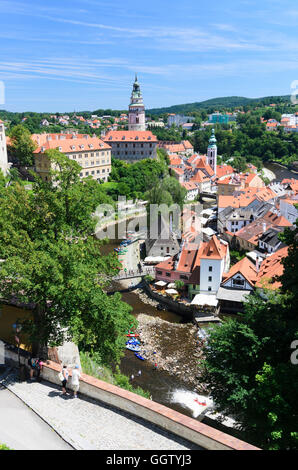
264,227
258,263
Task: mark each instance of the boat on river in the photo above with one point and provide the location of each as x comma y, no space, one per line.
133,347
139,356
133,341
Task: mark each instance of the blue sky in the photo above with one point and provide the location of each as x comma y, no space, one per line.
82,54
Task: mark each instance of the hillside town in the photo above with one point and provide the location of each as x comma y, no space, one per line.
245,216
228,244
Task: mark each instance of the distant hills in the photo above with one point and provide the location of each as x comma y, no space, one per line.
225,102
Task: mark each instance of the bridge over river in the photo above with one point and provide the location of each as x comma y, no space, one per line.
131,274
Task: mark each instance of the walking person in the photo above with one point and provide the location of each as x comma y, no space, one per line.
31,365
64,374
75,381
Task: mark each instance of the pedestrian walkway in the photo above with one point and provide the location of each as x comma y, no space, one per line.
22,429
88,424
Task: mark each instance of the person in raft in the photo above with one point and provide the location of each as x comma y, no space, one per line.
75,381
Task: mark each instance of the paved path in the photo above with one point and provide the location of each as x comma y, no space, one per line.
88,424
22,429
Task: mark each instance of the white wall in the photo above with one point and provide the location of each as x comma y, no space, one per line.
3,150
216,275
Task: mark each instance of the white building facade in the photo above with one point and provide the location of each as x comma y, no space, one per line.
4,166
212,153
136,115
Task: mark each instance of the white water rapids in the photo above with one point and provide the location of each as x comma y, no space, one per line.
192,401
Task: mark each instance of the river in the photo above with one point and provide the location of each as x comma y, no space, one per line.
163,387
280,171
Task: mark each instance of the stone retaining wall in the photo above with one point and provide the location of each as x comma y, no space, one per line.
166,418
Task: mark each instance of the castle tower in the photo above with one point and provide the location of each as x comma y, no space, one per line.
4,166
136,115
212,152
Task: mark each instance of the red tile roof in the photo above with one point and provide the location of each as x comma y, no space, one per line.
214,249
69,145
244,267
222,170
130,136
270,268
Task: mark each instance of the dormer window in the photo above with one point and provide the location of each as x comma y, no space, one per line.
73,147
60,149
82,147
123,137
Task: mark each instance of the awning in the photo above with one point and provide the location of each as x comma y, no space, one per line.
205,299
171,285
208,231
233,295
171,292
160,284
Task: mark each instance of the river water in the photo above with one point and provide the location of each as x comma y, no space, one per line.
281,172
164,388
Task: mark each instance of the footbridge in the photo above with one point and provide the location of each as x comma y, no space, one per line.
130,274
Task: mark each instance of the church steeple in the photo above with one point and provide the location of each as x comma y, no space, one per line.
136,116
212,152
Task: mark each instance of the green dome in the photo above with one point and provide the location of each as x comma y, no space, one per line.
212,140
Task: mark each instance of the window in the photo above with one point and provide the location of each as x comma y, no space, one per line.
238,282
209,289
168,274
210,269
210,279
159,272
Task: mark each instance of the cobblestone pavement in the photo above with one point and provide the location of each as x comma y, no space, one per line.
88,424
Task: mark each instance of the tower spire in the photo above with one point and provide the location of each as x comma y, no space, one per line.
136,117
212,152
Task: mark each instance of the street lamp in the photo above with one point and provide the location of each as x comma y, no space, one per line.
17,327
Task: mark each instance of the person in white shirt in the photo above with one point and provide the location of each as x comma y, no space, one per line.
64,379
75,381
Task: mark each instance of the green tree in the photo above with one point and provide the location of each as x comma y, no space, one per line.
22,146
248,366
53,261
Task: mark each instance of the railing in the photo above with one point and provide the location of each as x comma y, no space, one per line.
130,274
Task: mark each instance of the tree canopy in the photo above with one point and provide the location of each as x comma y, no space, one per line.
22,146
53,262
248,363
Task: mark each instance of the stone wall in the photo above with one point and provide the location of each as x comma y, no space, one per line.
177,307
166,418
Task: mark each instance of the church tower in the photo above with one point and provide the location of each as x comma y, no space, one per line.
212,153
4,165
136,115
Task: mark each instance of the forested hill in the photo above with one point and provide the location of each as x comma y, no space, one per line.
225,102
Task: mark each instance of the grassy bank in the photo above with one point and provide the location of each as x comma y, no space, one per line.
91,366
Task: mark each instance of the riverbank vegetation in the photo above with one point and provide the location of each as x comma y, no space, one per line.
250,364
91,365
